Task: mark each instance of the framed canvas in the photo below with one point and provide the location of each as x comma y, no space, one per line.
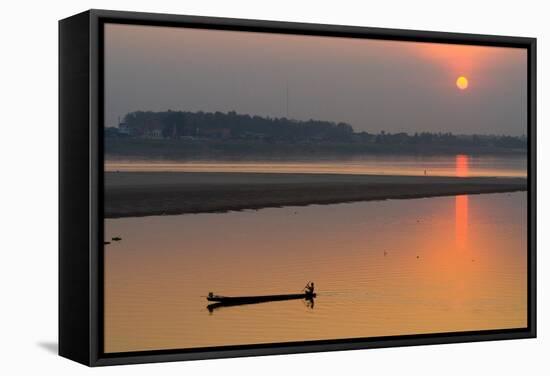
235,187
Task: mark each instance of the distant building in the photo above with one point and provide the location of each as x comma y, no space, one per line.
153,134
123,128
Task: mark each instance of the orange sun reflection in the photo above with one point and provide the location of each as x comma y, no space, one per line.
461,220
461,203
462,165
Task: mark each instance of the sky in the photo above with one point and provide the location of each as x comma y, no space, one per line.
374,85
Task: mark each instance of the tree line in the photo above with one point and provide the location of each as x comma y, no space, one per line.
232,126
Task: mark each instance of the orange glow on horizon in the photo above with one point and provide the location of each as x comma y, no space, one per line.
468,61
458,59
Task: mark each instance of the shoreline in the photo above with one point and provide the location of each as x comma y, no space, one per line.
139,194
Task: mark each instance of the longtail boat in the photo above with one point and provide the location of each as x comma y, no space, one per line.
228,301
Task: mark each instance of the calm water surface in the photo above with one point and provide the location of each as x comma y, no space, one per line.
381,268
450,165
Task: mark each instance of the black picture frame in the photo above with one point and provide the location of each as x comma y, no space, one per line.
81,186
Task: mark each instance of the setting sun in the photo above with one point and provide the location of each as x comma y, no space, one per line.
462,83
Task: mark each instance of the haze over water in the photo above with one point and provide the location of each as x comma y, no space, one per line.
448,165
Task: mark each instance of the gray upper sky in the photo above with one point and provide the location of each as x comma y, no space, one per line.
372,85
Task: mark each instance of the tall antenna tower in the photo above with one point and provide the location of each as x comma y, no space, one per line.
287,112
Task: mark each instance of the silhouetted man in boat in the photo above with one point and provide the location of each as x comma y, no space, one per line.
310,288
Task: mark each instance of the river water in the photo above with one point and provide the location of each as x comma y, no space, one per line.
440,165
381,268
